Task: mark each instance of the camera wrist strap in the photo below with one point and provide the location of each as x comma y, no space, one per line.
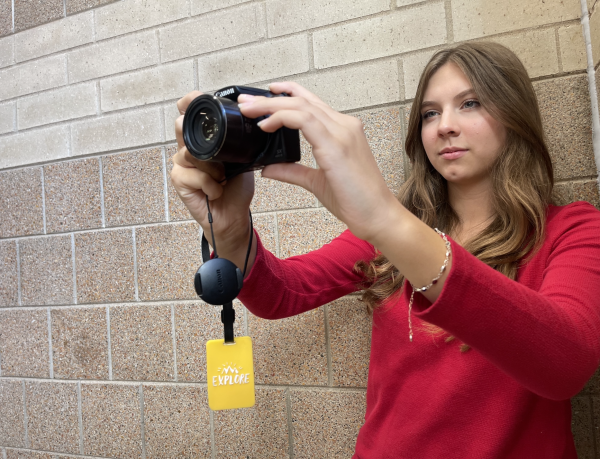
227,313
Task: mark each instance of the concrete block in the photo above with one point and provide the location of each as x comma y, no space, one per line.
12,425
132,15
121,130
212,32
7,117
536,49
595,35
53,37
581,427
204,6
177,209
356,87
285,17
326,421
9,288
113,56
32,77
413,67
7,51
21,211
397,32
400,3
171,113
6,22
301,232
58,105
264,61
29,14
482,18
572,48
156,84
75,6
42,145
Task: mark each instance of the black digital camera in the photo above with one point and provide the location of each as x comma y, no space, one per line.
215,130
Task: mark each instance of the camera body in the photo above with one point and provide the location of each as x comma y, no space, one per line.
214,129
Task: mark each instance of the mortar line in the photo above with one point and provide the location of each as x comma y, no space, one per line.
74,268
102,192
25,415
558,52
19,274
13,18
98,98
162,123
328,346
157,34
401,85
174,340
53,453
67,70
65,8
80,417
4,453
70,142
135,267
213,447
288,409
93,26
43,200
142,422
166,188
585,21
311,52
246,321
196,77
109,350
51,360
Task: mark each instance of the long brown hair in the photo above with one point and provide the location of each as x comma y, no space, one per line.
522,176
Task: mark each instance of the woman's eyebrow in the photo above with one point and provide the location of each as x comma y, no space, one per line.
429,103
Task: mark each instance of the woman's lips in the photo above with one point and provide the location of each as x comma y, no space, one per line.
453,154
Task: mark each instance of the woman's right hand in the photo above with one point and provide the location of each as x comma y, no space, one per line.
229,202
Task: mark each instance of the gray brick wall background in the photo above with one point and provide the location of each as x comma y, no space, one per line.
101,338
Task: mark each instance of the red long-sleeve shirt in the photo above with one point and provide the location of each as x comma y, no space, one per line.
534,344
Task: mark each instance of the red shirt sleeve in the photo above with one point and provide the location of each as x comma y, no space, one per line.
276,288
547,338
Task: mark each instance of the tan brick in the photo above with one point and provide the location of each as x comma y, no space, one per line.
397,32
177,209
212,32
6,22
53,37
301,232
12,425
58,105
581,427
357,86
31,14
121,130
113,56
284,17
9,294
35,76
264,61
7,117
473,19
536,49
171,81
132,15
75,6
572,48
400,3
7,48
42,145
21,202
204,6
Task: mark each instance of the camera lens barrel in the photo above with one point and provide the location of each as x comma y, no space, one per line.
214,129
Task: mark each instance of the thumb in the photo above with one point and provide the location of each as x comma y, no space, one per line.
293,173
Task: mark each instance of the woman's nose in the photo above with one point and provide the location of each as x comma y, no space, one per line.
448,125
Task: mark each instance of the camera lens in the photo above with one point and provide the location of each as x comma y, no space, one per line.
208,125
214,129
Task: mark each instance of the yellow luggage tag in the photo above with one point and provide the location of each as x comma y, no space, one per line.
230,374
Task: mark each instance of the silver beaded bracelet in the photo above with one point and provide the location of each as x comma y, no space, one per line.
433,282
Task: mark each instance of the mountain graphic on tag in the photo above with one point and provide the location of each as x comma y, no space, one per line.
230,374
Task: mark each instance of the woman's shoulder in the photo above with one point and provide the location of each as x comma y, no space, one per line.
579,217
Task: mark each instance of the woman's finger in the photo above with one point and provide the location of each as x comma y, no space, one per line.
179,131
182,104
188,181
292,173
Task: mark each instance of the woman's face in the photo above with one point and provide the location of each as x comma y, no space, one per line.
460,137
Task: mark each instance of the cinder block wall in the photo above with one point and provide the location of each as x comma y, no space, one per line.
101,338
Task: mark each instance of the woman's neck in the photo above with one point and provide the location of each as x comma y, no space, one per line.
473,205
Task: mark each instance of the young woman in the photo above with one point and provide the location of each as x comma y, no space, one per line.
482,363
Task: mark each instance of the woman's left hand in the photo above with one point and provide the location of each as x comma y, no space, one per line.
348,181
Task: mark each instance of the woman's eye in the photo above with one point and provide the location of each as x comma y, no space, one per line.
428,114
471,104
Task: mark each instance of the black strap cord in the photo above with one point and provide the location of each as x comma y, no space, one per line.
227,313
